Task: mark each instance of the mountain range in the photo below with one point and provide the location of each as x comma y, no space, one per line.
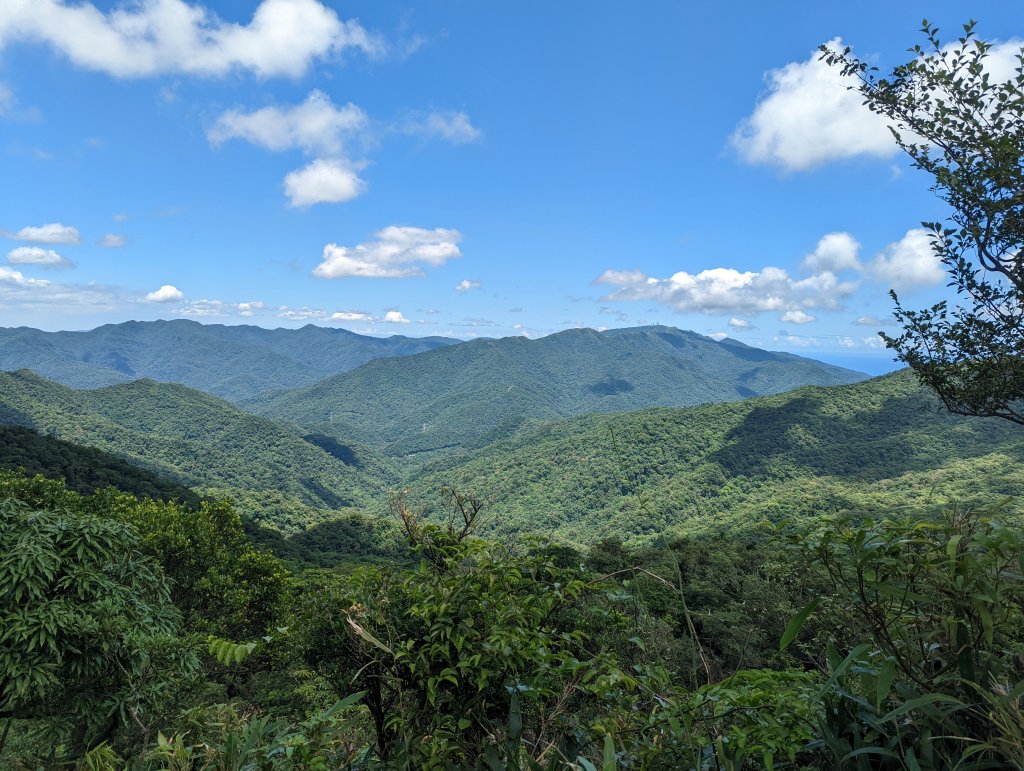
204,442
464,395
233,362
882,446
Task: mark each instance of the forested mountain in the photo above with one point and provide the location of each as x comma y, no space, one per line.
466,394
202,441
232,362
84,469
879,445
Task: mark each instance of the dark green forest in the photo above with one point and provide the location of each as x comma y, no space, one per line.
466,395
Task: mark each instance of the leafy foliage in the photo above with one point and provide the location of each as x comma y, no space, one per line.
219,582
88,626
966,130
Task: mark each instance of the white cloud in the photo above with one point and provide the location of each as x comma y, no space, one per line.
799,341
38,294
157,37
316,126
13,277
739,323
466,285
351,316
51,233
835,252
395,317
718,335
300,314
872,342
725,290
809,117
454,127
218,308
318,314
120,217
396,252
323,181
165,294
112,241
249,308
6,99
871,321
908,262
797,316
35,255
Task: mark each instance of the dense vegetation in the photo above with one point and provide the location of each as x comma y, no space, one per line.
468,394
201,441
875,446
233,362
140,634
84,469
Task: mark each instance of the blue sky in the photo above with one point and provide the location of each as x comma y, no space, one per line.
463,168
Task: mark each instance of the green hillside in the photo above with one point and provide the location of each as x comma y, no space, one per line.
876,445
84,469
233,362
460,395
201,441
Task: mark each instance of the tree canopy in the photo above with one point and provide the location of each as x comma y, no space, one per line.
965,127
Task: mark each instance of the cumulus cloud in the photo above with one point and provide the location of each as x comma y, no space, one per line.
718,335
51,233
395,317
835,253
156,37
165,294
36,255
466,285
323,181
725,290
797,316
454,127
808,116
396,252
112,241
740,324
316,126
908,262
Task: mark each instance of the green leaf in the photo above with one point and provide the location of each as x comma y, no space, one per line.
609,761
795,624
886,673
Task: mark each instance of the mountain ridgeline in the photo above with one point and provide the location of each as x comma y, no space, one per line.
204,442
465,395
233,362
878,447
